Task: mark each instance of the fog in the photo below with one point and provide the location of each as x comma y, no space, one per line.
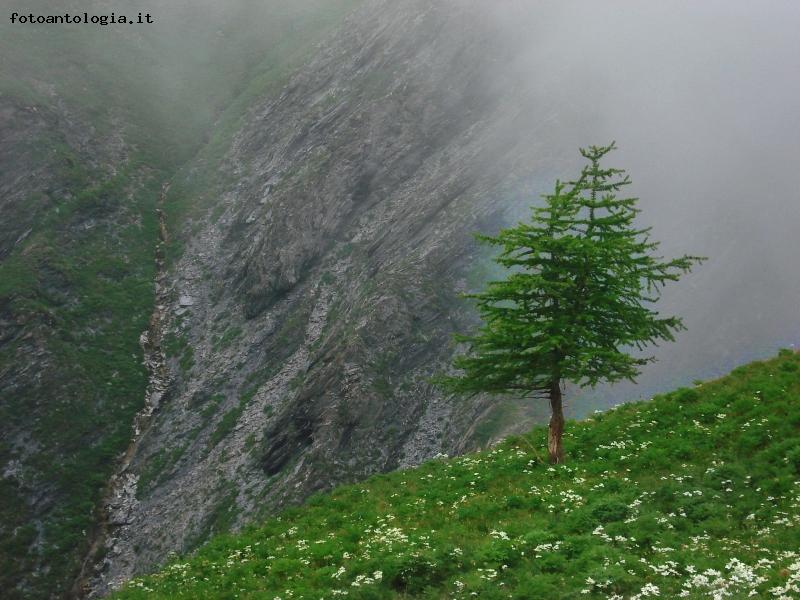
172,78
702,99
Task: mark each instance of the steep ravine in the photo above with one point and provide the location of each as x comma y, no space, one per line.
318,294
120,492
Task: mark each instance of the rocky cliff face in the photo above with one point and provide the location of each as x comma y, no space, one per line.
317,294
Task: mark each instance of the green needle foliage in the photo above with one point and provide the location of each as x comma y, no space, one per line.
578,299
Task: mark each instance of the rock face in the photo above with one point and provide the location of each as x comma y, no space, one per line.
317,295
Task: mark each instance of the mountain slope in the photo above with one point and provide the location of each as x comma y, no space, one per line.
693,494
75,294
93,122
315,267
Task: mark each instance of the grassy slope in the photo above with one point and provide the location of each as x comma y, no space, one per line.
695,491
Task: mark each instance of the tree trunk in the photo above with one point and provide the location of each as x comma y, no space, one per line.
556,430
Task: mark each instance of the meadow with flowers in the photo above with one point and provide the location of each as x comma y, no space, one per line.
693,494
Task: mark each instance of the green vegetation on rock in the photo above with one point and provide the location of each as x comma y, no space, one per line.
105,126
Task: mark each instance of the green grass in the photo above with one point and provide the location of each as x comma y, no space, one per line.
226,339
231,418
692,492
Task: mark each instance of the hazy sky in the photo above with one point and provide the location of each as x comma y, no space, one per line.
703,99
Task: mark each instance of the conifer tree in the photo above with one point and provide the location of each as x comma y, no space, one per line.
577,302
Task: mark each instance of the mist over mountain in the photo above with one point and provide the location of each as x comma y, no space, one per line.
699,100
233,241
